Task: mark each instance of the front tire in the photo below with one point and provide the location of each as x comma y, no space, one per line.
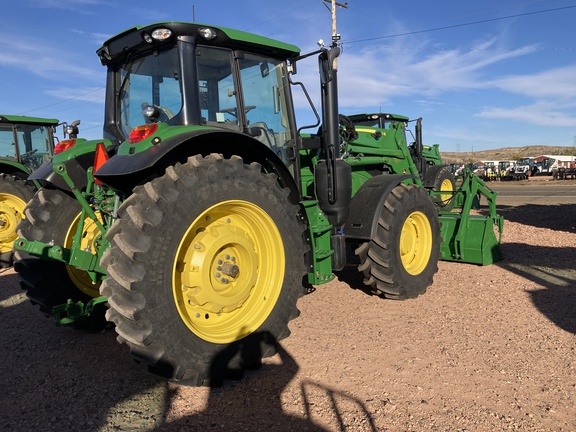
400,262
52,217
204,270
444,181
14,195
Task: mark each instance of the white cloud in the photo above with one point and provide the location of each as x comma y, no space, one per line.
539,113
97,38
376,74
554,83
88,94
65,4
41,59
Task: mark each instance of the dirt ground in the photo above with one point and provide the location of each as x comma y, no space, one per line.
485,349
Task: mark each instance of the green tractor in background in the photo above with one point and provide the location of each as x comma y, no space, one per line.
427,162
26,143
204,213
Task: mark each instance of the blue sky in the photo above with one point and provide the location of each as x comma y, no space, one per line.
483,75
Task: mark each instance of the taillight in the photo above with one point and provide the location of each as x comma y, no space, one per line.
64,145
140,133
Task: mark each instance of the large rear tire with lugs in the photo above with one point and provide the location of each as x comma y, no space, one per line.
52,217
205,267
400,262
14,195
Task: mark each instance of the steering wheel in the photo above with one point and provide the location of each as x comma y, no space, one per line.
28,154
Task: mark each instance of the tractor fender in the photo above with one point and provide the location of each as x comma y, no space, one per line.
365,208
77,160
76,168
124,172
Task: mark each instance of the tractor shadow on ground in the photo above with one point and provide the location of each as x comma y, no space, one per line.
548,266
56,379
561,217
557,274
250,403
254,402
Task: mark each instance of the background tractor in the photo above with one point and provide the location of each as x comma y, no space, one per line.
25,144
422,160
204,213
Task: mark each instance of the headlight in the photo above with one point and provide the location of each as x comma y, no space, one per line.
207,33
161,34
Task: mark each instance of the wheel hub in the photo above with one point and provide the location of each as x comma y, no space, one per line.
228,271
222,269
415,243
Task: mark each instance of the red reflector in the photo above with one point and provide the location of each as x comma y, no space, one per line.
140,133
64,145
100,159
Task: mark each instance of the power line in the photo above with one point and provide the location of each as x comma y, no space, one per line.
528,49
63,100
460,25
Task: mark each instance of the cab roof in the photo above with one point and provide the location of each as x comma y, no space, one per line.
356,118
5,118
137,39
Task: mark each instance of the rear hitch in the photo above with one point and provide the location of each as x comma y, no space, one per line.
72,312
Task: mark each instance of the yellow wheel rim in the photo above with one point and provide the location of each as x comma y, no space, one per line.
446,186
11,212
228,271
90,235
416,243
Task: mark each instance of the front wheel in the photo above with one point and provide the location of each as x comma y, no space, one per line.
400,262
445,183
204,270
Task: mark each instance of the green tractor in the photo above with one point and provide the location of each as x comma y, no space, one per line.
204,213
25,144
427,162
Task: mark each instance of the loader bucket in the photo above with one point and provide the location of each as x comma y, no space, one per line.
471,238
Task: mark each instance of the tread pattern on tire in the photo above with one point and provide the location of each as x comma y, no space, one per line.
12,185
132,244
380,259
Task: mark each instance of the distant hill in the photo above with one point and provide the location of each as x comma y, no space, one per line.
506,153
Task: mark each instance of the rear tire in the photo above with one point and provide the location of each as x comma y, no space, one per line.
50,218
400,262
204,270
14,195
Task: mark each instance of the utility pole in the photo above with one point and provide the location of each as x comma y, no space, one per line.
332,9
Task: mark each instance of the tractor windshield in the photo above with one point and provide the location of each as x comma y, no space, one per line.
30,144
149,90
214,87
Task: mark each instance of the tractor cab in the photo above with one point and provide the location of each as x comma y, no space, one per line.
26,142
198,81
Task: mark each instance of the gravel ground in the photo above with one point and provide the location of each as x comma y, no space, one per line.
485,349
